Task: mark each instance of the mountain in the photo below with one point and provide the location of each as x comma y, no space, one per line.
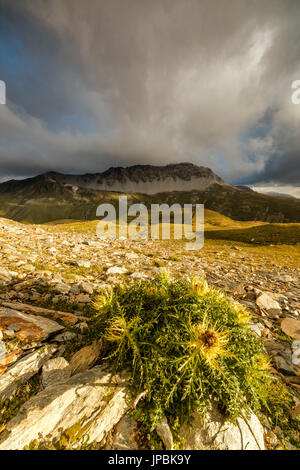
144,179
54,196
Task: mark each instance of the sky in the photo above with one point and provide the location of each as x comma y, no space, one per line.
94,84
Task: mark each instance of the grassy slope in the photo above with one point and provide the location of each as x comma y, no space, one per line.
38,201
217,227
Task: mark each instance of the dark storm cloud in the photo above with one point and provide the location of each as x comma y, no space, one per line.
103,83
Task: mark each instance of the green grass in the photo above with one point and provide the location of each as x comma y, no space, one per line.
276,234
187,344
217,227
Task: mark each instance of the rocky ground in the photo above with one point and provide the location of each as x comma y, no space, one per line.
48,278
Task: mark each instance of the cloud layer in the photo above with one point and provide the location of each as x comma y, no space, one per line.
95,84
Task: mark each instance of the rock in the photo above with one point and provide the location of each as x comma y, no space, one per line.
88,404
82,326
82,298
295,345
274,347
255,327
217,434
83,264
61,288
31,327
23,370
55,371
86,287
164,432
296,357
291,327
65,317
124,435
64,337
8,333
292,379
75,289
132,255
85,357
138,275
5,277
283,363
29,267
271,306
116,270
7,358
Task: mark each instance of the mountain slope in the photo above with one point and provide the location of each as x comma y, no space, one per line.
51,196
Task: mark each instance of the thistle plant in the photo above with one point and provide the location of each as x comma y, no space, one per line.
187,345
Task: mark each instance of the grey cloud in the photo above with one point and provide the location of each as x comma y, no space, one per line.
164,81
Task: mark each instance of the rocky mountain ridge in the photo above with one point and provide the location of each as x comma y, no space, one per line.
144,179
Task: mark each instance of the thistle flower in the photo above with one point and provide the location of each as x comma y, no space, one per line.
117,330
209,341
101,301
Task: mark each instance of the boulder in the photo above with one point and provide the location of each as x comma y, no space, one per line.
23,370
89,405
271,306
64,317
61,288
215,433
164,432
86,287
55,371
31,327
291,327
85,357
124,436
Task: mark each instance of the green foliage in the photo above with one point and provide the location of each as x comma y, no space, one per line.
186,344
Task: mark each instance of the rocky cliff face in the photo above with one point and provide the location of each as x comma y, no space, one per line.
146,179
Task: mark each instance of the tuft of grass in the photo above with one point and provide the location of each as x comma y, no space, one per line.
187,345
